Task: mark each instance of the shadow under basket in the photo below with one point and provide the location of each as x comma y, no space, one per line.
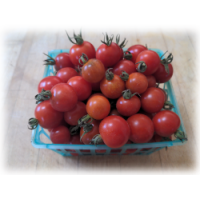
128,149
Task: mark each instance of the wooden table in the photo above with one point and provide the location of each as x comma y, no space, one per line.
23,69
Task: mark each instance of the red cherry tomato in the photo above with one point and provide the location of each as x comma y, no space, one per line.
128,107
60,135
165,93
72,116
48,82
114,131
75,139
98,107
63,97
66,73
151,81
142,128
151,59
137,82
152,100
124,65
96,86
47,117
93,71
81,86
161,75
114,112
87,138
136,50
166,123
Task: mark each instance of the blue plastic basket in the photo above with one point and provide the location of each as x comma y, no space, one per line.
128,149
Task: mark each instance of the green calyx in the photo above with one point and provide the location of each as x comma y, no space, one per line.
86,128
83,59
74,130
166,61
109,74
180,135
127,55
124,76
33,123
78,38
44,95
124,42
107,40
127,94
141,67
97,139
49,61
166,139
168,105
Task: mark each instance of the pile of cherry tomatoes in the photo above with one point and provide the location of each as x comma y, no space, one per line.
106,96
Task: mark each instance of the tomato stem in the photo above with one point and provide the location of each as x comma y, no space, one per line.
109,74
83,59
49,61
83,120
141,67
107,40
78,38
127,94
127,55
74,130
167,61
124,42
97,139
33,123
44,95
86,128
180,135
124,76
168,105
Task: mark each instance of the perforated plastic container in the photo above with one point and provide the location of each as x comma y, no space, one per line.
128,149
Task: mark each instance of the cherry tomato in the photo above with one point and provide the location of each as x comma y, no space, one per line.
136,50
137,82
114,112
72,116
66,73
142,128
114,131
165,93
151,81
93,71
63,97
166,123
152,100
47,117
113,86
60,135
48,82
151,60
161,75
128,107
86,139
124,65
81,86
98,107
96,86
75,139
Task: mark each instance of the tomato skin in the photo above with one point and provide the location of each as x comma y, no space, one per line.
128,107
165,93
137,82
93,71
72,116
77,50
112,88
48,82
114,131
124,65
86,139
151,59
64,97
166,123
60,135
156,138
161,75
136,50
48,117
75,139
96,86
151,81
66,73
152,100
109,55
114,112
98,107
63,60
81,86
139,132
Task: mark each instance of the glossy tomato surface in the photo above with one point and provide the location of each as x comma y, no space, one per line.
66,73
81,86
142,129
151,59
152,100
137,82
64,97
76,51
93,71
48,117
166,123
48,82
98,107
151,81
60,135
114,131
63,60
